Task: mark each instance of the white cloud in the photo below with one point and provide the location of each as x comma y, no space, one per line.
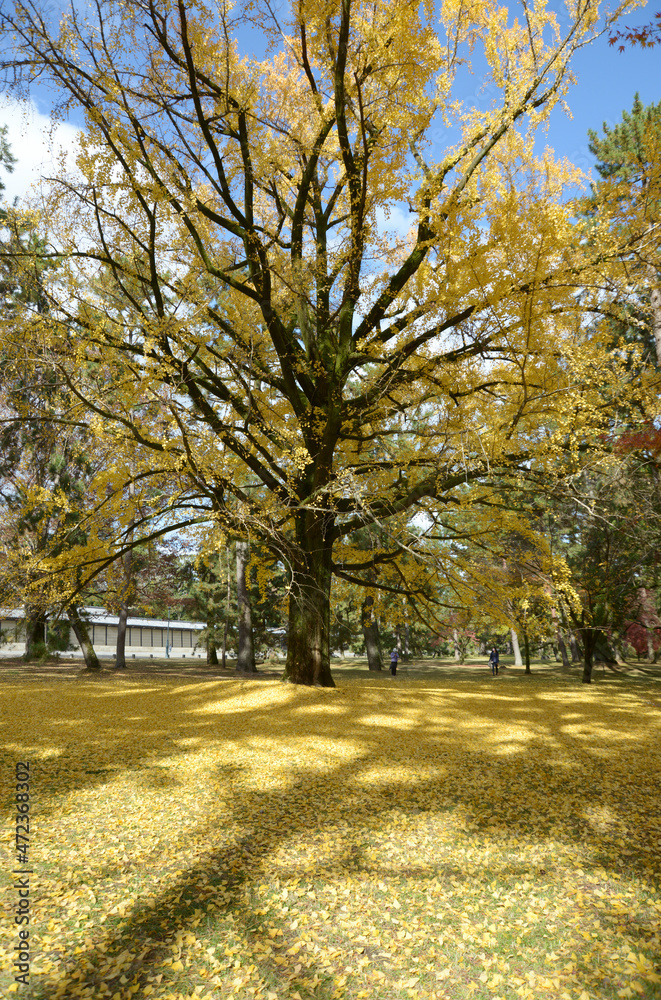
36,143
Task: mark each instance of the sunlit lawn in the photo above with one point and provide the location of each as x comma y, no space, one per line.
439,834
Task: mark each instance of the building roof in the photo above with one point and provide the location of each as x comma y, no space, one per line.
99,616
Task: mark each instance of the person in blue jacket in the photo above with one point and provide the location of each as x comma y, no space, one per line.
493,660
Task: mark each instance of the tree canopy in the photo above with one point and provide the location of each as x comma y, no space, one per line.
294,369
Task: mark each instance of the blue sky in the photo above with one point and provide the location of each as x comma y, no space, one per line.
607,82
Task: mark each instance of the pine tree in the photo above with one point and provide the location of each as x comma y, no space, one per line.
7,158
208,591
623,150
628,162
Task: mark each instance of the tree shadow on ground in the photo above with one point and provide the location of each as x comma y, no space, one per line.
512,758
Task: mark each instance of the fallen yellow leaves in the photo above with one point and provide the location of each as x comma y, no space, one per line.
226,840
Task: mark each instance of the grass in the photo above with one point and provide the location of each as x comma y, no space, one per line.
441,834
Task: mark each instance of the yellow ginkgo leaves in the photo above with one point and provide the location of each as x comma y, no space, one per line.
454,871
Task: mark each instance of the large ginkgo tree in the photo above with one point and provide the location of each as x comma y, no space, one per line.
296,365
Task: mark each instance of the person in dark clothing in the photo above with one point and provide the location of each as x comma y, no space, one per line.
493,660
394,656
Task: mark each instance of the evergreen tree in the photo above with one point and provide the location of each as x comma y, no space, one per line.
623,150
208,590
629,164
7,159
38,456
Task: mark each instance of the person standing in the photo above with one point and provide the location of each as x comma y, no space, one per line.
493,660
394,656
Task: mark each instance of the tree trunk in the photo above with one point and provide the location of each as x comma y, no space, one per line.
245,662
602,651
618,646
575,651
526,647
127,563
120,655
518,662
223,649
228,598
655,303
82,634
457,649
370,629
651,654
212,655
587,635
563,649
340,639
308,633
406,640
372,647
35,633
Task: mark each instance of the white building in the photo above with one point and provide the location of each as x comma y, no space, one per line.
144,636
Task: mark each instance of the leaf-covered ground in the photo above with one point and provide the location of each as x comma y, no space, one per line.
387,839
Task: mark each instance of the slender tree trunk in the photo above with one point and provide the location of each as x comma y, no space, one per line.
398,634
223,654
82,634
35,633
406,640
120,654
655,303
223,659
575,651
526,647
516,649
457,649
563,649
245,663
223,650
308,649
587,635
370,629
340,629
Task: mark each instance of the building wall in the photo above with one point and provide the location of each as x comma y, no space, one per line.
144,640
14,631
138,636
